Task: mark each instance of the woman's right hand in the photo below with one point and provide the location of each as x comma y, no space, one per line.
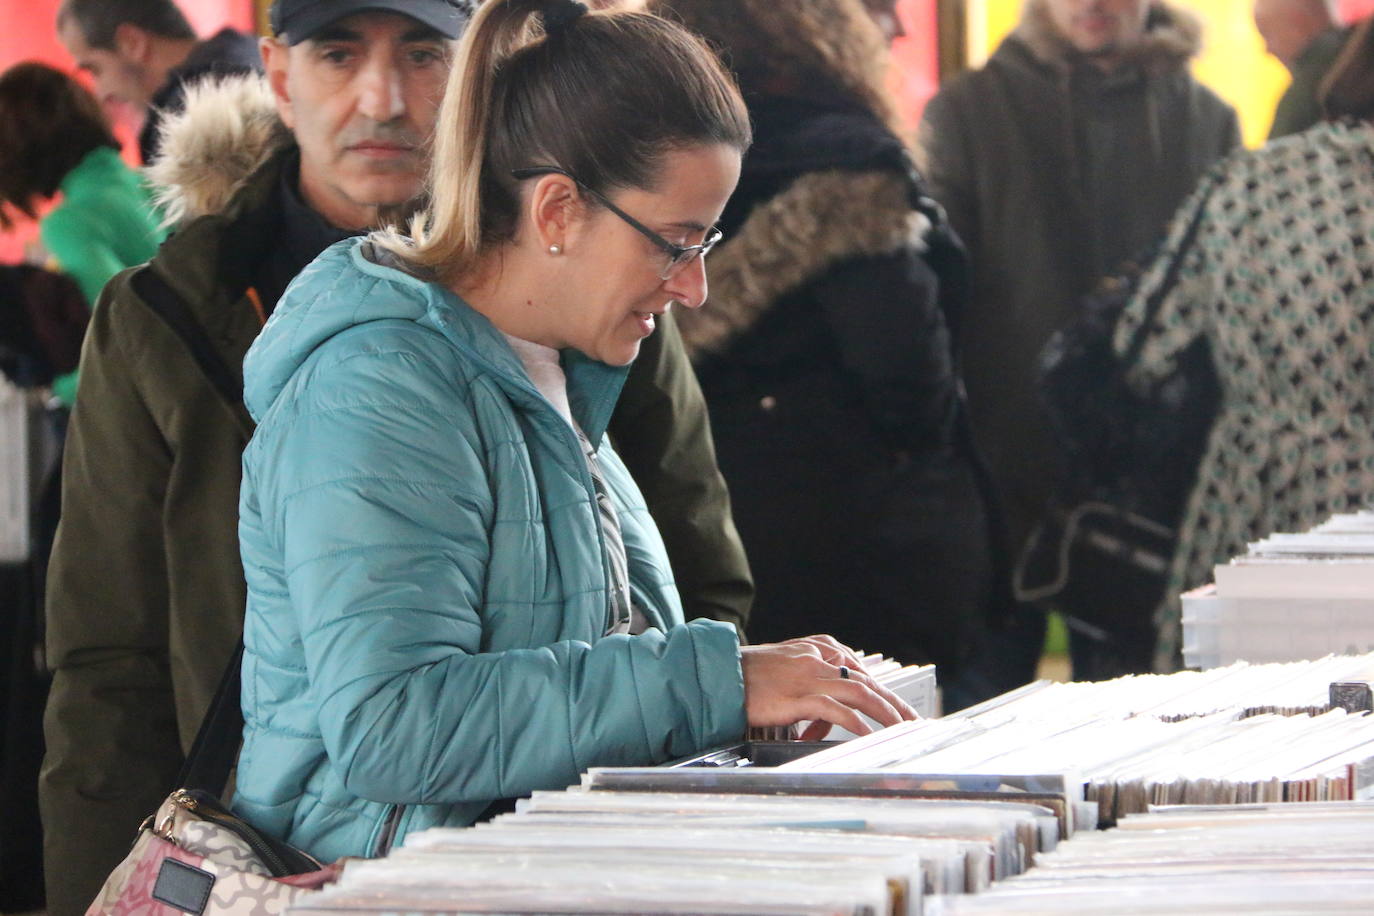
797,680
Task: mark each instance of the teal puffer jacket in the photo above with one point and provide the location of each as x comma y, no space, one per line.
426,587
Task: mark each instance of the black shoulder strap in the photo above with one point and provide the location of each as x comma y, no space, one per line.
1166,285
168,306
212,755
945,252
217,743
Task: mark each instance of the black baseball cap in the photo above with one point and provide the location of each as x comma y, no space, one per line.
299,20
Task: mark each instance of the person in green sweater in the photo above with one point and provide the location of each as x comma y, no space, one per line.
54,140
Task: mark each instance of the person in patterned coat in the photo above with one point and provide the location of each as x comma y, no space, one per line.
1061,157
1279,280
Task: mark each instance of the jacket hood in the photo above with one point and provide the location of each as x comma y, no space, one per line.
358,281
1173,36
820,220
228,129
794,136
226,50
338,290
824,183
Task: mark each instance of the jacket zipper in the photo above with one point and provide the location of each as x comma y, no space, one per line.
387,837
244,831
589,482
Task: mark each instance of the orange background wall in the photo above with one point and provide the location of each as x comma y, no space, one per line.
1235,64
28,35
916,56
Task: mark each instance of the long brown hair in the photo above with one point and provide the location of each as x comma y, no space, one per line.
1348,90
794,44
48,124
601,94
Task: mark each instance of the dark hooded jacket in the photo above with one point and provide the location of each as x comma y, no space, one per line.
226,53
1052,172
146,589
825,355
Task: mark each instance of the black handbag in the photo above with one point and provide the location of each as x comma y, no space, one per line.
1102,553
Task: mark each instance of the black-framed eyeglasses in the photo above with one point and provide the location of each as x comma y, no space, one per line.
679,256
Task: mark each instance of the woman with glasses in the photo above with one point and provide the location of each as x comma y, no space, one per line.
826,353
456,595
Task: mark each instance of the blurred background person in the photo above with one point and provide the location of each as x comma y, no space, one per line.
884,14
1306,36
43,319
143,54
154,453
1279,282
826,351
1065,154
54,140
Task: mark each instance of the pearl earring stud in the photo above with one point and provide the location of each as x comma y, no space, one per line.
555,249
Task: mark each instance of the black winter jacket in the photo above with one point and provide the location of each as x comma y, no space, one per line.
826,358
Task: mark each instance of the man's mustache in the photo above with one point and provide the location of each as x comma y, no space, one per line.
392,134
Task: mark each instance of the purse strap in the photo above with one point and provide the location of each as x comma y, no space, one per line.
216,747
1161,292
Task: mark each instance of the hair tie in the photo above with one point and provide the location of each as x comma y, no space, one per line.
560,14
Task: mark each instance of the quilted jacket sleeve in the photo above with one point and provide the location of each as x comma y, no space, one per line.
384,521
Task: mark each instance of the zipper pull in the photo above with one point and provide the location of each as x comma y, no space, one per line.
165,825
185,799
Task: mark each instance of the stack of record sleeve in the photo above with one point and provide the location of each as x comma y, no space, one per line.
1244,733
1000,801
604,851
1291,596
1290,859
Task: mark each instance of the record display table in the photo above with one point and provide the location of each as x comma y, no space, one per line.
995,809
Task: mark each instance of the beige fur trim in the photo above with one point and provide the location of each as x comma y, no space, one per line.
821,220
228,128
1169,45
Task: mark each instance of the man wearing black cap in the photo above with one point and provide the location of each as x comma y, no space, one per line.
146,591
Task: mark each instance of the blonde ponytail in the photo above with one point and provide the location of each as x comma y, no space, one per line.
604,94
449,246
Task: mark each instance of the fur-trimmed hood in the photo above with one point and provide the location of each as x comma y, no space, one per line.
822,219
825,182
1173,36
228,128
